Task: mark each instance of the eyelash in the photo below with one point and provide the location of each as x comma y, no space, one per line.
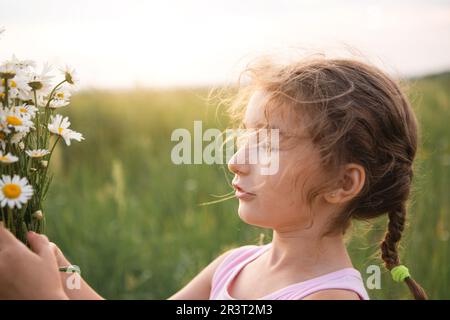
263,143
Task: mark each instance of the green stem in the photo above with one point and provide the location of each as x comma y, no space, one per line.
6,93
54,145
50,97
10,220
37,119
50,156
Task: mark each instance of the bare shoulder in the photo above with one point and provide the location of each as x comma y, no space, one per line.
199,287
333,294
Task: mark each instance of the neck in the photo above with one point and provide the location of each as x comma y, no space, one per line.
308,251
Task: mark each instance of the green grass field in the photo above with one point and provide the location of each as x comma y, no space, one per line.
131,219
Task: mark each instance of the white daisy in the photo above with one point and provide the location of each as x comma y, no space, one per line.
55,104
20,64
18,122
8,158
62,94
60,98
14,192
37,153
70,75
17,87
7,70
60,126
41,81
26,110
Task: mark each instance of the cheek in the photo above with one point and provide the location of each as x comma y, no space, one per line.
285,194
277,204
262,210
282,197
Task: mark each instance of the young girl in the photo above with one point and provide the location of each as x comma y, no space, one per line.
348,138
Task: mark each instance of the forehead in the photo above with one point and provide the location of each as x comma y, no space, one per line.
261,112
254,113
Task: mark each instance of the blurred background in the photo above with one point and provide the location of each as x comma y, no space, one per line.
130,218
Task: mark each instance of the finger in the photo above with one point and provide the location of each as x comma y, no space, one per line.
6,237
54,248
39,244
58,255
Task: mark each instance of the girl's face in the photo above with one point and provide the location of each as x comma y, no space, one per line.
276,201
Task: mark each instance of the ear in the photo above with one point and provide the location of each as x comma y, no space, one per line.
349,185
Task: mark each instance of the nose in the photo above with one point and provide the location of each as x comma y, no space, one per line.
238,163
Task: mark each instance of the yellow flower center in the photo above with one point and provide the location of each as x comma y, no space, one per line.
60,130
2,94
12,190
60,95
14,121
3,158
23,110
12,83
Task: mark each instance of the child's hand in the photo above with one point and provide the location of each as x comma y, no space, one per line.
84,292
26,274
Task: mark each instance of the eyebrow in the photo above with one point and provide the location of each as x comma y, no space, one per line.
258,125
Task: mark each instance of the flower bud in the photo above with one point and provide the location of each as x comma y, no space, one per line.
21,145
38,215
44,163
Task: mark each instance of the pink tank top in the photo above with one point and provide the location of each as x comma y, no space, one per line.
234,262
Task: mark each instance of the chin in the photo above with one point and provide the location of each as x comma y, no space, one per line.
251,216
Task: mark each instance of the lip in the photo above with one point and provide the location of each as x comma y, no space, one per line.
241,193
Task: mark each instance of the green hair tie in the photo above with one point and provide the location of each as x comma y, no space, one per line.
400,273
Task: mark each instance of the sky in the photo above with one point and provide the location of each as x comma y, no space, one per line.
137,43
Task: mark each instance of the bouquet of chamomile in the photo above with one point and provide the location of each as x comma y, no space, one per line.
30,129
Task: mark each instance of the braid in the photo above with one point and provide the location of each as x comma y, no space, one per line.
393,235
389,252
